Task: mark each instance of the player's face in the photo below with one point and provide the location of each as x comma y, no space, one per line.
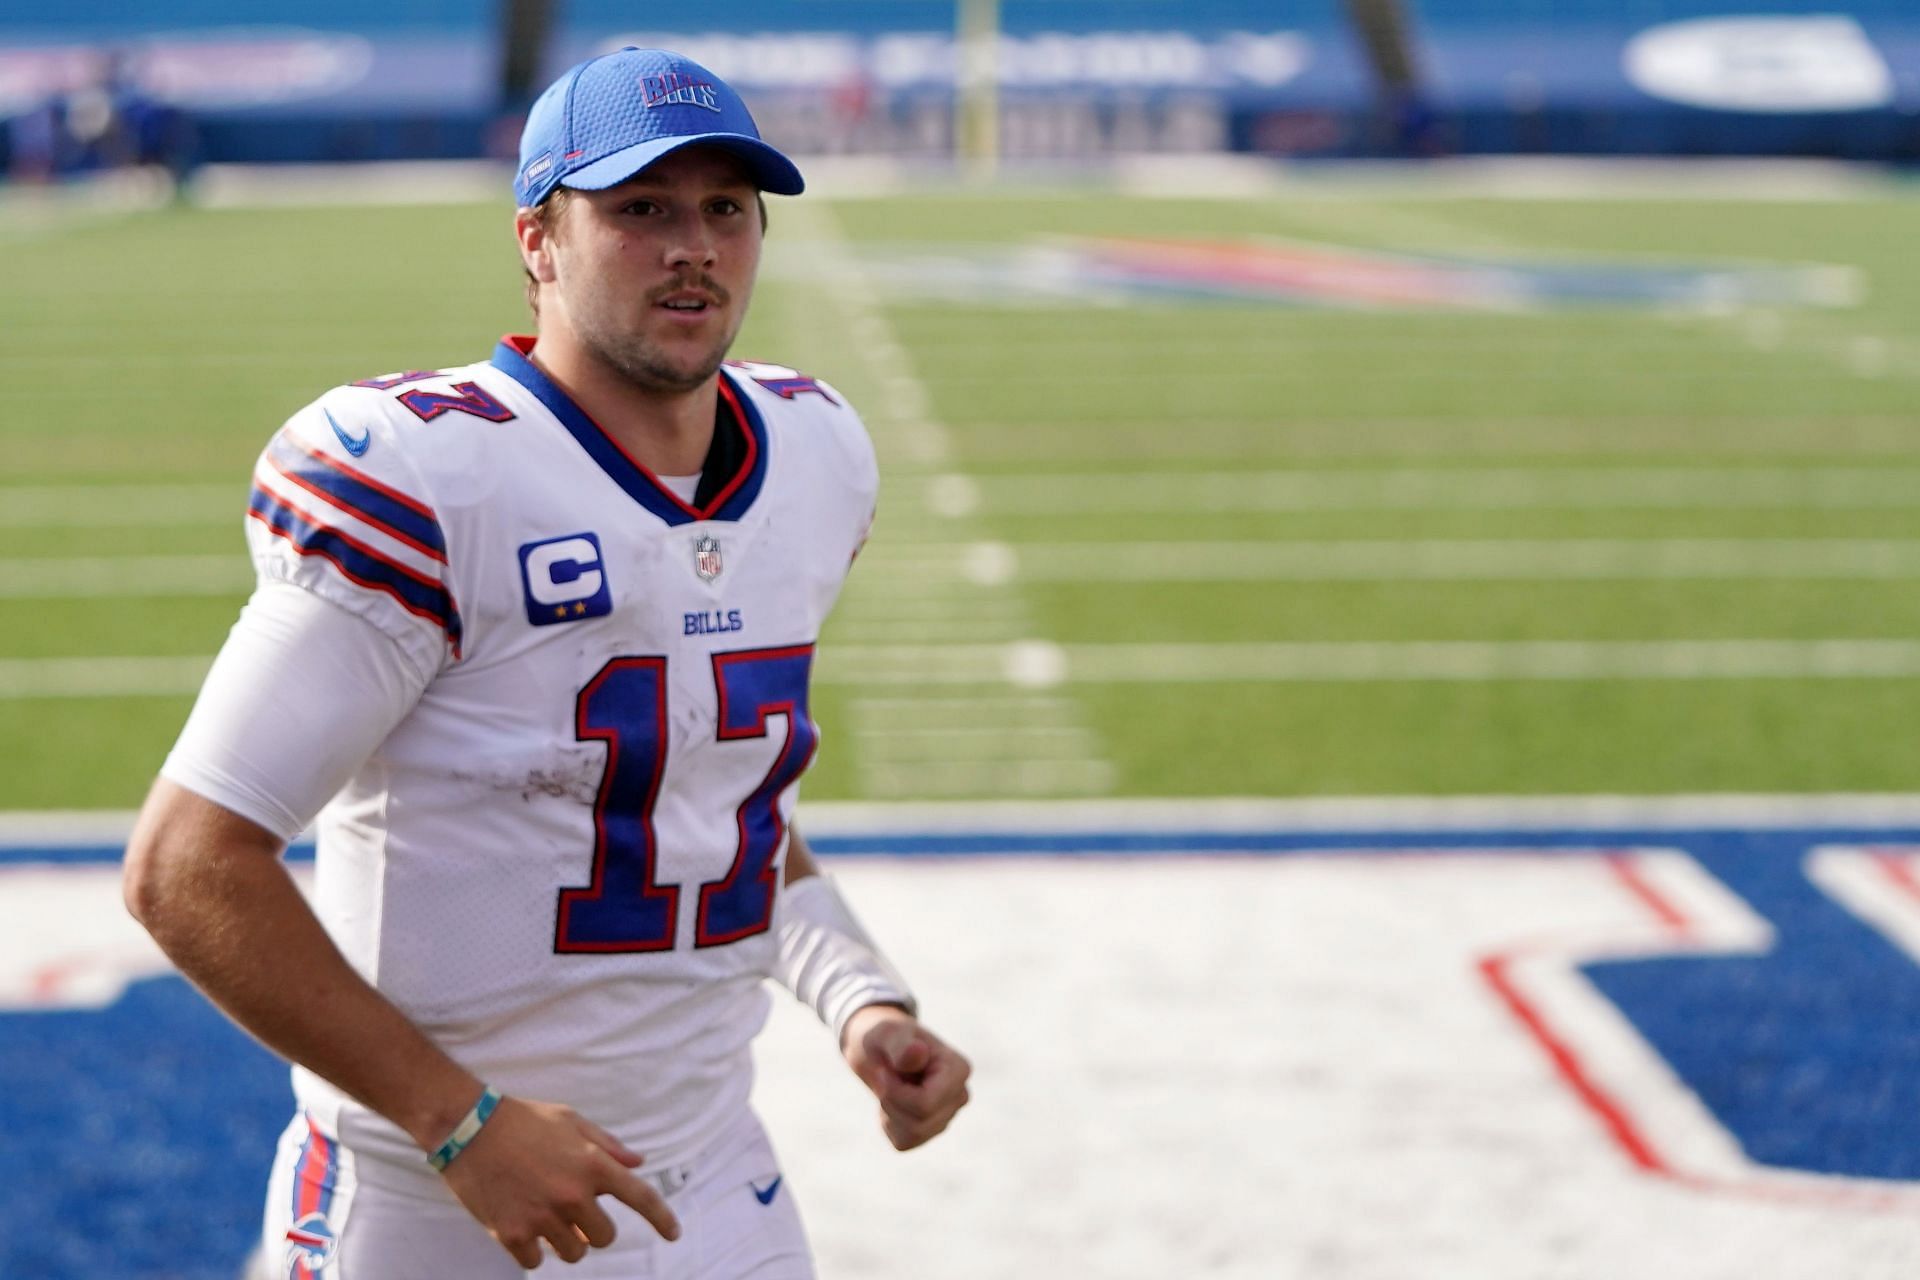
654,275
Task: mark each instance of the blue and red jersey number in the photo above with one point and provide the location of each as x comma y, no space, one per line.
753,685
623,907
393,380
799,383
466,397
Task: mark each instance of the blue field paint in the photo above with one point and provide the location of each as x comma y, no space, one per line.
137,1139
1809,1054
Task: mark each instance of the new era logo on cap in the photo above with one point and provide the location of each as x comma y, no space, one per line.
612,116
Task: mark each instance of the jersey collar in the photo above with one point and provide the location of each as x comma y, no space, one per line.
731,501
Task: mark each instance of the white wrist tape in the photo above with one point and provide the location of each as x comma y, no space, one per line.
826,959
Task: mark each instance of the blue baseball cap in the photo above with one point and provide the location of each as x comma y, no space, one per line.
612,116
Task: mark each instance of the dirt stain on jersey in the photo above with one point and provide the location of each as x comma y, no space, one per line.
560,775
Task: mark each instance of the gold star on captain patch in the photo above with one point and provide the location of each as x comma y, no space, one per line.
580,608
560,612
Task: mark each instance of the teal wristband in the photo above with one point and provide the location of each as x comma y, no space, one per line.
467,1130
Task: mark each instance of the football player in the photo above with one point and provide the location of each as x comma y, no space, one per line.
532,637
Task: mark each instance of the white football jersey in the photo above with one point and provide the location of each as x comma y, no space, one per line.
563,863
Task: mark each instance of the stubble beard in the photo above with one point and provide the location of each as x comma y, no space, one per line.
645,364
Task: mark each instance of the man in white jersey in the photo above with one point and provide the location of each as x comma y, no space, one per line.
533,638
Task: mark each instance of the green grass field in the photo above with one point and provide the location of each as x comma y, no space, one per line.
1156,498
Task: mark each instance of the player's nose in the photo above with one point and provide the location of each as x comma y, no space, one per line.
691,244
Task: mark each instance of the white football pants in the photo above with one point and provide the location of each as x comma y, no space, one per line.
334,1216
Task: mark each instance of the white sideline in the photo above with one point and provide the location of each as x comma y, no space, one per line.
1230,814
1199,176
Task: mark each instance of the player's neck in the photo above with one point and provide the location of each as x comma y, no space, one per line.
666,431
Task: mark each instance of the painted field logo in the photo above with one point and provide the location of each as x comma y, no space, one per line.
1129,270
1785,997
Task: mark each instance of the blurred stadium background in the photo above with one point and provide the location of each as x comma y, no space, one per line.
1384,398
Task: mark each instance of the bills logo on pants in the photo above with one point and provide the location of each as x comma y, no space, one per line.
310,1240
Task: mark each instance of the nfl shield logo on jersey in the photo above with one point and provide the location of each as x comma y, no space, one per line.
706,558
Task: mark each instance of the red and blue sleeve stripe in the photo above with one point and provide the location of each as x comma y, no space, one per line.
359,562
315,1179
387,509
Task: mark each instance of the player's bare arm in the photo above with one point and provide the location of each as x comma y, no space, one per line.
210,887
919,1079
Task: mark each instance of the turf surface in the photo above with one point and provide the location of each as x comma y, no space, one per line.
163,348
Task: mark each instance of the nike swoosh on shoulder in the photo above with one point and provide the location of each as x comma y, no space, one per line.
773,1189
355,445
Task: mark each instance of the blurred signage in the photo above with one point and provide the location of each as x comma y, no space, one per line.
212,70
1763,64
1128,60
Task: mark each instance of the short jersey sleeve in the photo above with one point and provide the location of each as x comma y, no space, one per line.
860,467
300,695
339,510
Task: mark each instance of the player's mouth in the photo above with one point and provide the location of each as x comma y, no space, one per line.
689,305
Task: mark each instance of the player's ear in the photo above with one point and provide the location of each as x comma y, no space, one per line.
534,231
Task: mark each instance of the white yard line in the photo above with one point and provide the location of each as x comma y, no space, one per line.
980,713
1440,489
96,577
1009,742
904,608
902,417
1009,775
101,677
1026,750
1384,560
987,704
1157,440
937,631
119,505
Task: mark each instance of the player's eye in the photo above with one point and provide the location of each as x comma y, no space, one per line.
641,207
726,205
